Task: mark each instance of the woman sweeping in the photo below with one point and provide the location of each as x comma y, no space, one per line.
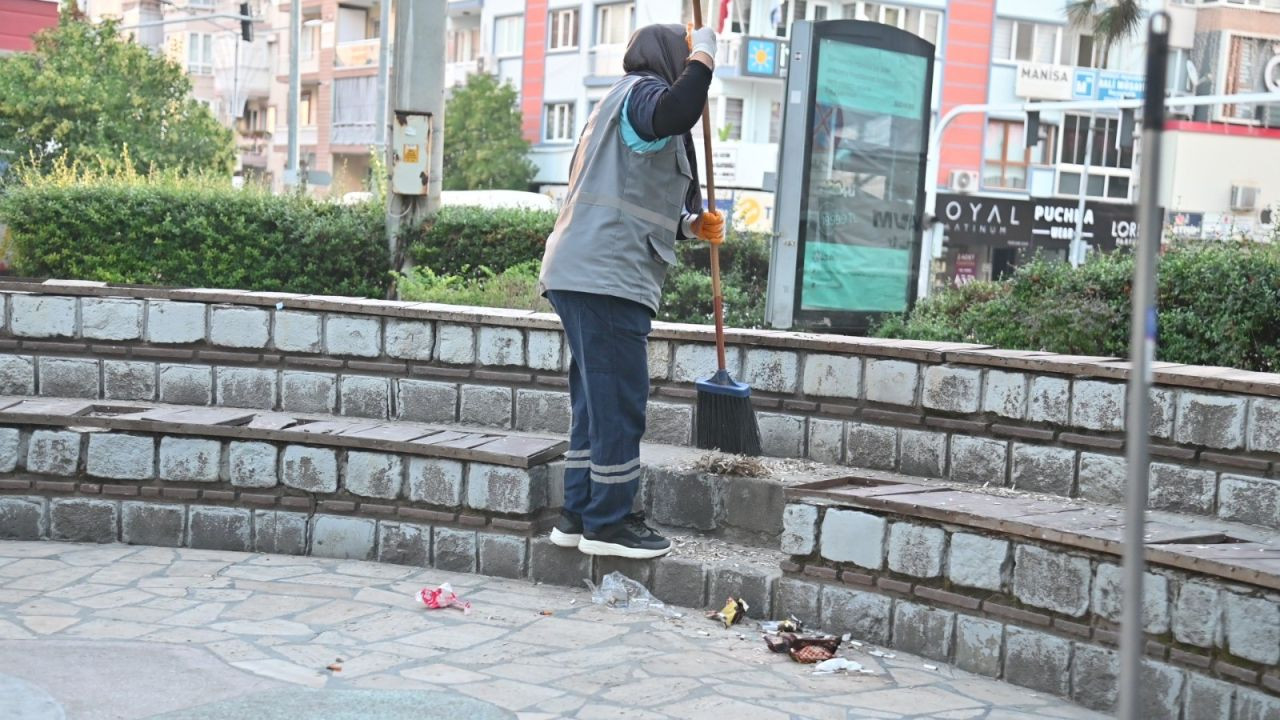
633,192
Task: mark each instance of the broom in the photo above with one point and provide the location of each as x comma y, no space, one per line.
726,420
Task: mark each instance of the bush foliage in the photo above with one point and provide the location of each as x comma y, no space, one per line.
463,240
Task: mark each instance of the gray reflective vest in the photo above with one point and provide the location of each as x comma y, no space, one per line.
616,233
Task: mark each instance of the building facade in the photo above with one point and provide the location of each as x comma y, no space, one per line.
20,20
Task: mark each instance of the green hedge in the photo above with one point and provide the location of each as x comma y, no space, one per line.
462,240
1219,304
193,233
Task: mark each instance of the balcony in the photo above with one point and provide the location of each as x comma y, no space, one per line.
740,56
306,63
357,53
456,73
605,65
307,135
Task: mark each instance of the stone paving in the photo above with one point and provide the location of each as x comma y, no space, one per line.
117,631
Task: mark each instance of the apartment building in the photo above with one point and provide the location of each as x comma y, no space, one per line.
20,20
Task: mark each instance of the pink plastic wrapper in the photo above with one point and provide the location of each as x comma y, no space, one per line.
443,597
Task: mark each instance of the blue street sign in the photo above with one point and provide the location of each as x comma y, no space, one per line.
761,57
1084,84
1120,86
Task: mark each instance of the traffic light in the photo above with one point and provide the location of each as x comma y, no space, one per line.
246,23
1032,134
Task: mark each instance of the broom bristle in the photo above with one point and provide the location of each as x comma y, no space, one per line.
726,419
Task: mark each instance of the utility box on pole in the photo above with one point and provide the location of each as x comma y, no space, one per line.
411,153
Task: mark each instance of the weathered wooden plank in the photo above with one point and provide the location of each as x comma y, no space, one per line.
272,421
333,427
396,433
202,416
67,408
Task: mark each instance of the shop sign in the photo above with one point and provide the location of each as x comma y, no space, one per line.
966,269
1105,225
1020,223
1041,81
971,219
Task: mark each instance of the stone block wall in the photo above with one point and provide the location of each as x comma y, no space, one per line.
1037,614
965,413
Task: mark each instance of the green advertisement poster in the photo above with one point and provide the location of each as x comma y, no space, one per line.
840,277
870,80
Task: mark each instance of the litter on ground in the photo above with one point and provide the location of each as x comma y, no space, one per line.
443,597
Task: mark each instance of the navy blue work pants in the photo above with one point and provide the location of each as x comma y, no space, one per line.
608,386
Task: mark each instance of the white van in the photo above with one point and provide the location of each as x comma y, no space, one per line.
491,199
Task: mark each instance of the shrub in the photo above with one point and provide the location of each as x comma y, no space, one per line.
1218,304
192,233
744,275
462,240
515,287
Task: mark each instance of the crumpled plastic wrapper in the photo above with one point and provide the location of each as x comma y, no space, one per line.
732,612
622,593
443,597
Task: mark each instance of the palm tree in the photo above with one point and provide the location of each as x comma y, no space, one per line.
1109,21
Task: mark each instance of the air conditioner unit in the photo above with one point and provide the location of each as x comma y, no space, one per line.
963,181
486,63
1244,197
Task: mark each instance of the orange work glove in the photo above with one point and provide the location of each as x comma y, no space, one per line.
710,227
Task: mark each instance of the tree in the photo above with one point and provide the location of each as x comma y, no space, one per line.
483,146
1109,21
88,95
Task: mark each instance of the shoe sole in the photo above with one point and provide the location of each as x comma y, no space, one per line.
565,540
600,547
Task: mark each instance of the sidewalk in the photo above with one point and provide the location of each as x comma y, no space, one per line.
116,631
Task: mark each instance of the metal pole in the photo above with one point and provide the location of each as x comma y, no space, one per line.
1142,350
295,40
384,73
1076,255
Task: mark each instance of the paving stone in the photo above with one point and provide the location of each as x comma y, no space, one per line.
676,581
771,370
121,457
1215,421
1098,405
546,350
1102,478
502,555
494,488
892,382
366,397
69,377
977,561
952,389
753,504
43,316
455,344
1264,425
53,452
175,323
1037,660
1256,705
486,406
1005,394
1049,400
297,332
873,447
1108,597
1043,469
639,570
923,453
697,361
1252,628
916,550
978,644
1161,691
566,567
826,441
781,435
1051,580
1197,615
864,615
186,384
1095,677
219,528
374,474
190,459
280,532
500,346
17,375
111,318
246,387
253,464
23,518
1182,489
353,336
435,481
799,599
1163,403
404,543
800,529
410,339
668,423
543,411
311,469
455,550
681,499
308,392
82,520
239,327
10,449
978,460
1249,500
346,538
923,630
754,586
837,376
122,380
855,537
1207,699
426,401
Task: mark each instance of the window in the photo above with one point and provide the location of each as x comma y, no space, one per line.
1006,156
271,118
614,23
462,45
310,40
199,53
1085,52
306,109
564,29
200,3
558,126
775,121
508,36
1026,42
733,117
1110,166
353,24
820,13
926,24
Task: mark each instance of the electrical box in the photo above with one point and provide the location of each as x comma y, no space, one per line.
410,153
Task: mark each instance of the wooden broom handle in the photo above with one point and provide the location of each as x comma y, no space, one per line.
717,299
